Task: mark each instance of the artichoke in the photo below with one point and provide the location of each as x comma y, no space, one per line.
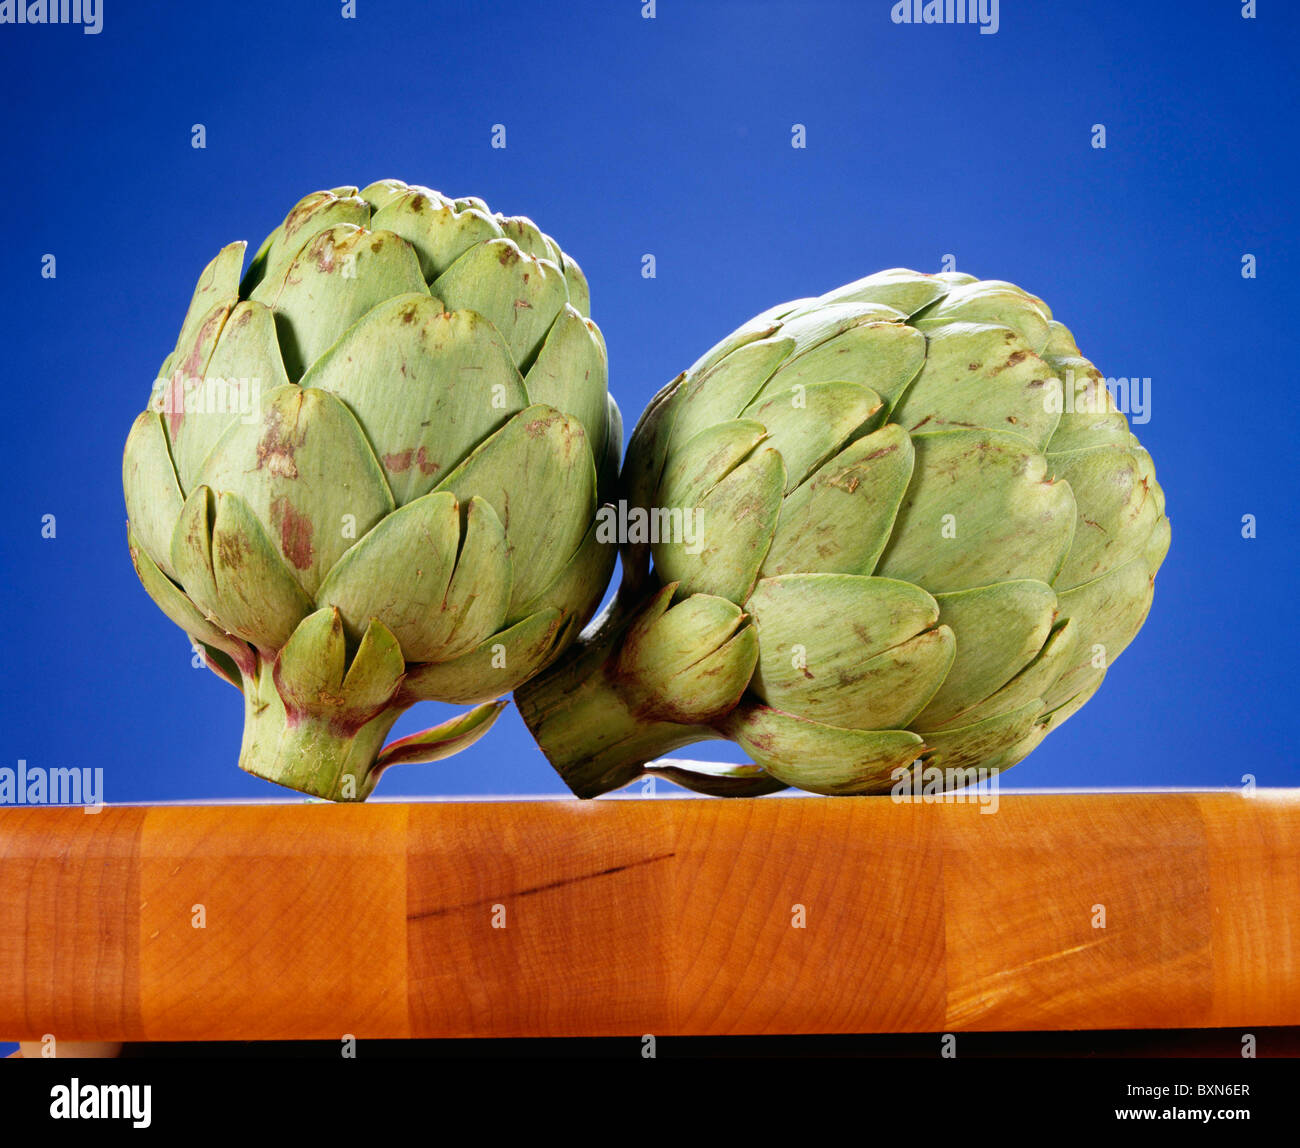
901,527
369,475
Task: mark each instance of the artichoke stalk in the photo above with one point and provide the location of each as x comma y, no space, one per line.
922,532
369,475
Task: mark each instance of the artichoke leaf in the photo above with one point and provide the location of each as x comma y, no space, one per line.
339,275
813,327
976,375
529,238
426,385
1000,630
992,301
822,758
538,475
689,663
970,747
244,364
310,216
305,468
217,289
1110,611
177,606
1032,682
257,598
377,670
577,589
695,466
571,374
383,191
905,291
809,424
980,509
1117,511
717,396
498,665
153,496
520,295
474,606
439,231
399,572
729,532
839,520
576,281
716,778
1089,417
308,673
187,367
440,741
883,355
846,650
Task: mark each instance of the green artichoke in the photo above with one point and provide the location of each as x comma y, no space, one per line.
369,475
898,527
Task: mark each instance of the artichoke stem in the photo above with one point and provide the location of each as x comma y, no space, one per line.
327,759
585,719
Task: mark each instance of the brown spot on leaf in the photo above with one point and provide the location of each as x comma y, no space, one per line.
231,549
295,531
275,450
304,211
399,461
324,254
425,463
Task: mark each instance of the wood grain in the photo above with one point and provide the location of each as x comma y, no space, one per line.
664,916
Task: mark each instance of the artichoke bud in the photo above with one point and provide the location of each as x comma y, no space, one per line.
917,498
371,475
688,663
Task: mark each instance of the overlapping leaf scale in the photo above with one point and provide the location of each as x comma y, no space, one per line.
339,275
439,232
439,587
305,468
822,758
538,475
519,294
320,211
847,650
981,508
731,483
839,521
426,385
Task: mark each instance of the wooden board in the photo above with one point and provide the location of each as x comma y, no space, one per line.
632,916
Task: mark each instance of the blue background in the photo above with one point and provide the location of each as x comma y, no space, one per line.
669,136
